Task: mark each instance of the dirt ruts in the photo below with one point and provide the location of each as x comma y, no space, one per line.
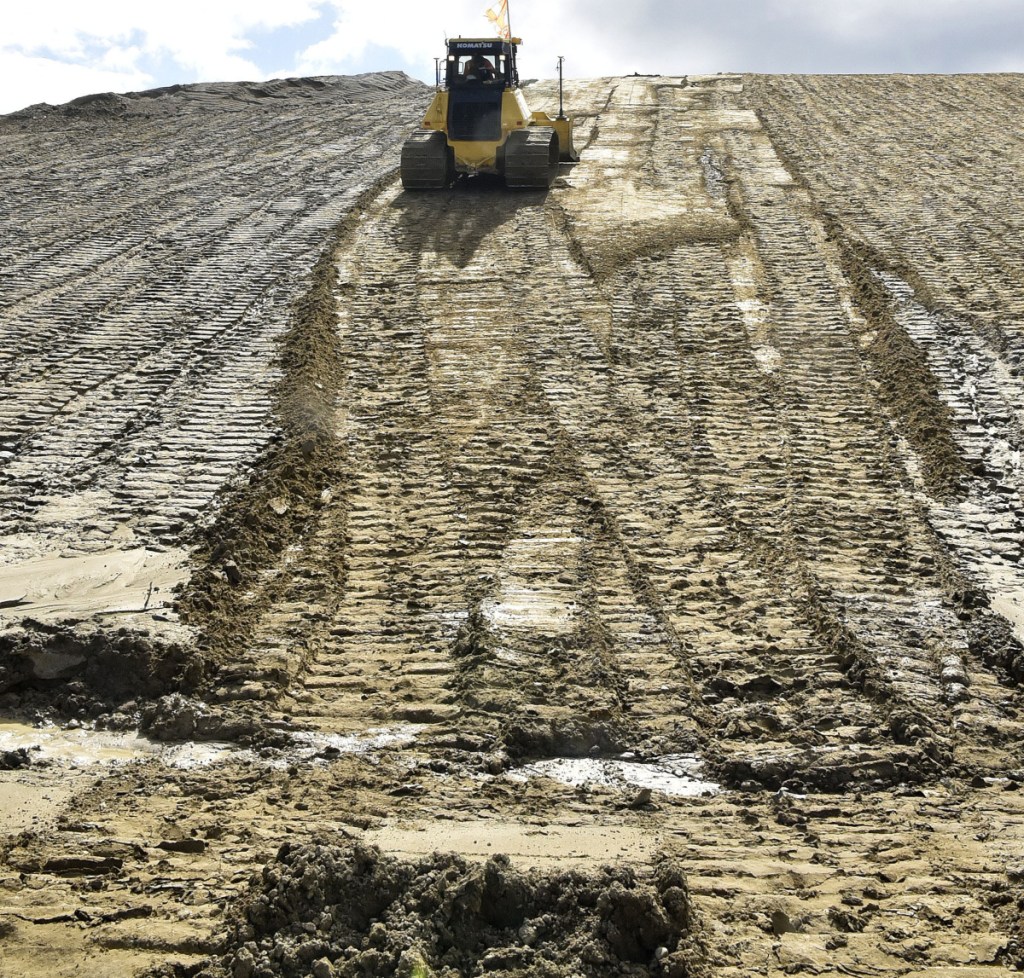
649,548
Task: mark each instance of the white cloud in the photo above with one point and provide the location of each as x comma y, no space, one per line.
57,49
878,18
602,38
414,29
27,80
120,58
64,48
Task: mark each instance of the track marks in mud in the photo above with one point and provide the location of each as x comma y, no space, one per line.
908,387
547,485
841,508
640,200
935,192
694,422
142,300
927,276
237,565
661,510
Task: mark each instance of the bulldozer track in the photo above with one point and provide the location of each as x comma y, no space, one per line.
426,164
531,158
611,473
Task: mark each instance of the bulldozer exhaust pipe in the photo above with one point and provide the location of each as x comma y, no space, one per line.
561,110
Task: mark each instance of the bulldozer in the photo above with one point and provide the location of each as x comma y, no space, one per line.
479,122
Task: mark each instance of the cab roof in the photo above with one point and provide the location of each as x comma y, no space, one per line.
486,40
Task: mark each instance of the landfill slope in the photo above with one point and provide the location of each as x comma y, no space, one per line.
668,518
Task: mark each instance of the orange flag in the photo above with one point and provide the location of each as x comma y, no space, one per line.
498,15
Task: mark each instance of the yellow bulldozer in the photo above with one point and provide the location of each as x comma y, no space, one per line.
479,122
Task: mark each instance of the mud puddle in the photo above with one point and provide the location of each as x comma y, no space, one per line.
678,775
310,746
84,748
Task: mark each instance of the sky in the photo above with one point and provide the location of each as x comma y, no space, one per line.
56,50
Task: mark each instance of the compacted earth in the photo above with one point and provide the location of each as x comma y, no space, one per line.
619,580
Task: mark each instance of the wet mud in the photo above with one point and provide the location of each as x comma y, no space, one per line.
328,910
619,580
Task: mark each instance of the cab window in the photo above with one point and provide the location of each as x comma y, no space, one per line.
479,68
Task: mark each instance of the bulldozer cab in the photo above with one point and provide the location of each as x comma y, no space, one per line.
481,62
478,71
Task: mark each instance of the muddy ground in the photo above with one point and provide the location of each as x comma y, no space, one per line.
619,580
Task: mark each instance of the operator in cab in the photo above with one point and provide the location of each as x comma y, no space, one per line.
478,68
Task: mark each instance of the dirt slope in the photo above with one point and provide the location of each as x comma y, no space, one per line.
669,518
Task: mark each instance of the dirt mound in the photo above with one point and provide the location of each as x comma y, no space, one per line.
93,668
175,99
323,910
101,104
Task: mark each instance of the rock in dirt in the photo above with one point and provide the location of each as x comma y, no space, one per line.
189,846
82,865
11,760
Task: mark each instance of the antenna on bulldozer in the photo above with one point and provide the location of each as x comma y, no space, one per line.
561,110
